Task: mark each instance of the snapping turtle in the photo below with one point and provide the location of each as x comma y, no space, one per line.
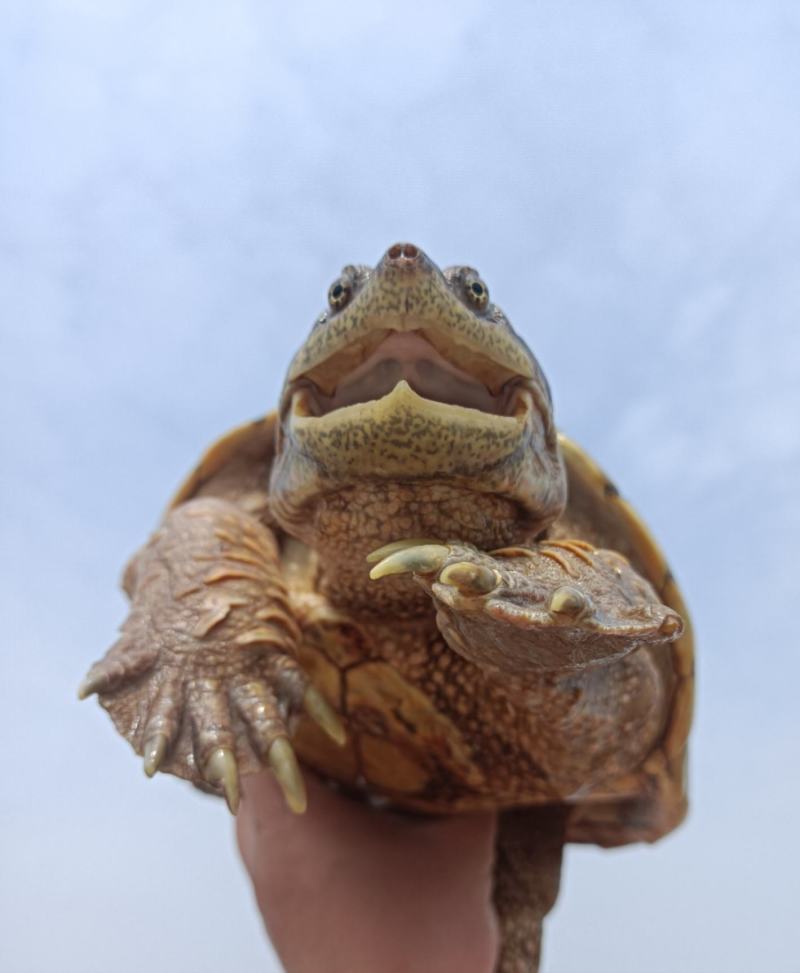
407,578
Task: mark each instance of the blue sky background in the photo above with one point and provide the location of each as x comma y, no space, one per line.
179,183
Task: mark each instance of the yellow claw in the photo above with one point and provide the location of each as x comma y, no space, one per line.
381,552
92,683
221,770
423,559
568,601
324,715
154,750
470,579
287,773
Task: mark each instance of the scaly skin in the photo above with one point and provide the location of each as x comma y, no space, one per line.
472,663
204,679
535,732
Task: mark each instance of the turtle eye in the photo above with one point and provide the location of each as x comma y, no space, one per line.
339,293
477,292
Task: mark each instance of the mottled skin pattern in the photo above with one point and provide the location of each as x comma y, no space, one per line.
393,584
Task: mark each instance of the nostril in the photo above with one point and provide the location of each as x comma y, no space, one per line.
403,251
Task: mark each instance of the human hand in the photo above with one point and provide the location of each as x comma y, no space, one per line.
347,889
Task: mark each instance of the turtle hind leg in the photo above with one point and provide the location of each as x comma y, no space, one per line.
527,871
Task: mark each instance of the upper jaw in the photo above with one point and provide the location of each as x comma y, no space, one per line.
411,299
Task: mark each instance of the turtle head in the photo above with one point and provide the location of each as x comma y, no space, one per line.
412,374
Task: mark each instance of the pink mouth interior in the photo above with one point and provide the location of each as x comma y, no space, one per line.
407,355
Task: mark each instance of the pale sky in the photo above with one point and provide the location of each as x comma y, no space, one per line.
180,182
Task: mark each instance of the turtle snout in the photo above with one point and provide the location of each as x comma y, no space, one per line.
405,257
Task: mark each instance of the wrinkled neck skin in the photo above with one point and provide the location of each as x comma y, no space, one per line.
344,522
348,525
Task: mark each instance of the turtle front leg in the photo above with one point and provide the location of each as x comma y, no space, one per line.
203,680
558,606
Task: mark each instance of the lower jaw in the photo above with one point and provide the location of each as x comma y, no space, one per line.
403,435
424,447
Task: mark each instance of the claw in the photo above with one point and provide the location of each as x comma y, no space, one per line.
287,773
671,625
93,682
568,601
221,770
122,663
380,553
154,750
320,710
470,579
415,560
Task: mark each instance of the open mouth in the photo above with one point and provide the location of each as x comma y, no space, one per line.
455,379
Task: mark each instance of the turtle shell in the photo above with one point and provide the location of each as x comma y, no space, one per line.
644,805
640,806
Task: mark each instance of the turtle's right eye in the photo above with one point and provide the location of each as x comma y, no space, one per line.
477,292
339,293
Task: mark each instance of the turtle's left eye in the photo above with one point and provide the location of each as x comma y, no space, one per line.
339,293
477,292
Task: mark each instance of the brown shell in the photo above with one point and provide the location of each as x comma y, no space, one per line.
651,802
641,806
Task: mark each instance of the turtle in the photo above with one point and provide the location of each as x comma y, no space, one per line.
408,581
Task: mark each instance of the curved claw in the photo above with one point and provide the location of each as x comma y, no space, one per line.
221,770
671,626
122,663
153,752
287,772
470,579
324,715
380,553
93,682
423,559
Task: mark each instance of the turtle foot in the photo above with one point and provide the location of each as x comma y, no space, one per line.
557,605
194,722
203,681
